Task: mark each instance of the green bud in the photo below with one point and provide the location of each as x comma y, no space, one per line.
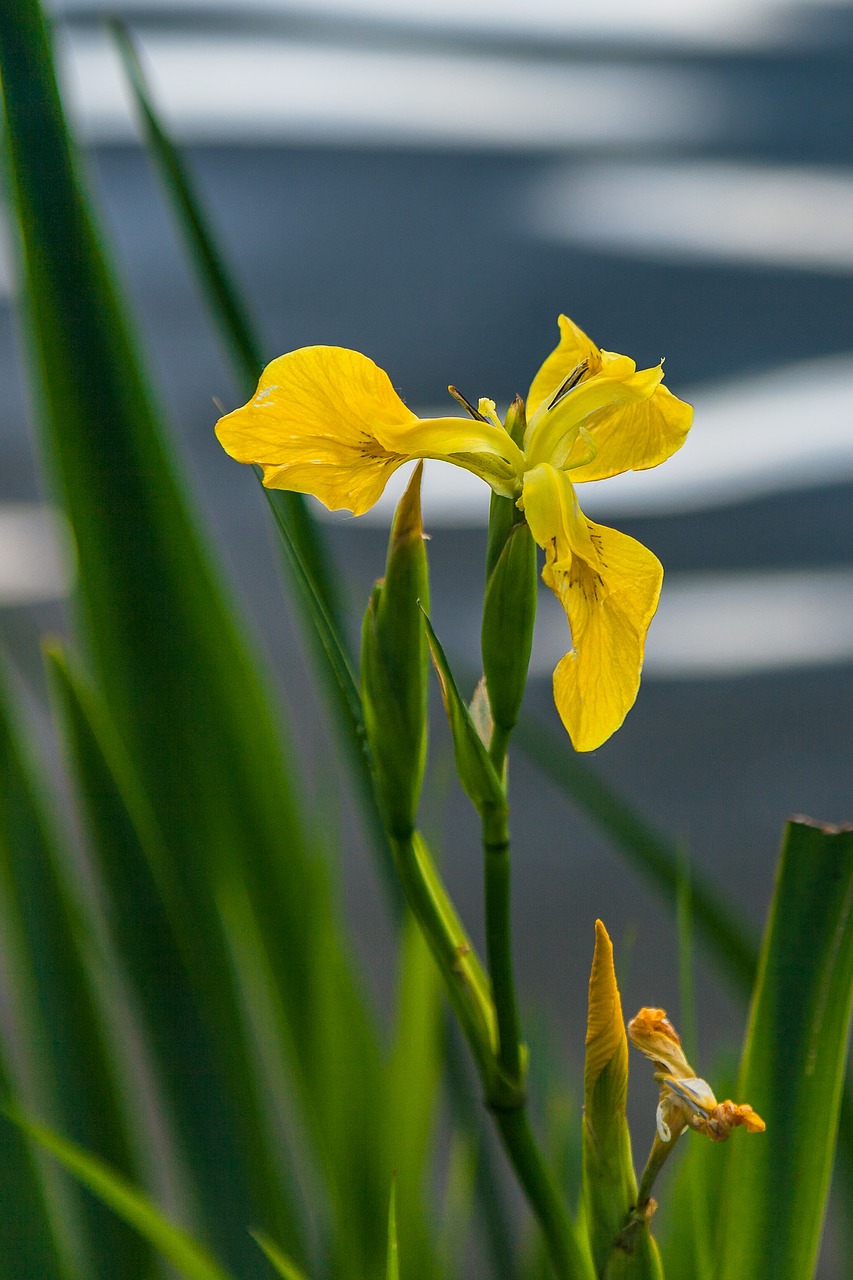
395,667
509,612
503,513
477,774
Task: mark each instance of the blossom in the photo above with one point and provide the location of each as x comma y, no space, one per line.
328,422
685,1099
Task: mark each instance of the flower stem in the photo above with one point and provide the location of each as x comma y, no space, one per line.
499,943
543,1196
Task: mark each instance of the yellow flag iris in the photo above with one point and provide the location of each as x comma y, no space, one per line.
327,421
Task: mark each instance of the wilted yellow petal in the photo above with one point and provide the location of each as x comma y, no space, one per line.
654,1035
605,1031
634,436
725,1118
609,586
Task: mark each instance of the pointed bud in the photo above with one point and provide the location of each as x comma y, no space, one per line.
395,667
610,1186
509,612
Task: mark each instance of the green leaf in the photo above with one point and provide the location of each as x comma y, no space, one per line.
184,692
134,1208
477,774
280,1261
306,554
650,853
792,1070
414,1075
154,935
70,1065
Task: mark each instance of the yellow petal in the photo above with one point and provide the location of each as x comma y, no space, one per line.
654,1035
609,586
605,1031
327,421
633,436
313,425
553,435
571,351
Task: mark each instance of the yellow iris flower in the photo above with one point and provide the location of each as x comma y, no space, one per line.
328,422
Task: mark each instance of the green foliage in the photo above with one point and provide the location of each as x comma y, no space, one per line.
185,1012
793,1062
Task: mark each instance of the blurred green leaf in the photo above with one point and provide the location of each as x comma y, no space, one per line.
71,1066
185,695
155,937
414,1075
792,1071
34,1239
309,563
280,1261
176,1246
652,854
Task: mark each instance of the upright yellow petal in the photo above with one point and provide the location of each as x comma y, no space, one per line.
609,585
313,425
633,436
570,352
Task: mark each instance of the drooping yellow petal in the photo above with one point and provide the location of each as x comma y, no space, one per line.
609,585
327,421
633,436
605,1030
313,426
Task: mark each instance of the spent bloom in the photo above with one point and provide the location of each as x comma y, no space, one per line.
328,422
685,1099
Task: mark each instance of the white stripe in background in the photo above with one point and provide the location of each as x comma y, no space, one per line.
240,89
774,432
708,23
716,625
36,562
677,210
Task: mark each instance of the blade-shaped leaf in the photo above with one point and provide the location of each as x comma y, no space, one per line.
655,857
793,1065
476,772
184,693
71,1066
184,1253
283,1265
309,563
153,933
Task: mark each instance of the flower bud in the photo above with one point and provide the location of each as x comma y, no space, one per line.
509,612
395,666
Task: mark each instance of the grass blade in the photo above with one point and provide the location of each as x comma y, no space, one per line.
793,1065
70,1065
310,566
654,856
277,1257
177,1247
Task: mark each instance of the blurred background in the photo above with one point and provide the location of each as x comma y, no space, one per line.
432,183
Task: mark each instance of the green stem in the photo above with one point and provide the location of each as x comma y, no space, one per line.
543,1195
469,994
499,944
